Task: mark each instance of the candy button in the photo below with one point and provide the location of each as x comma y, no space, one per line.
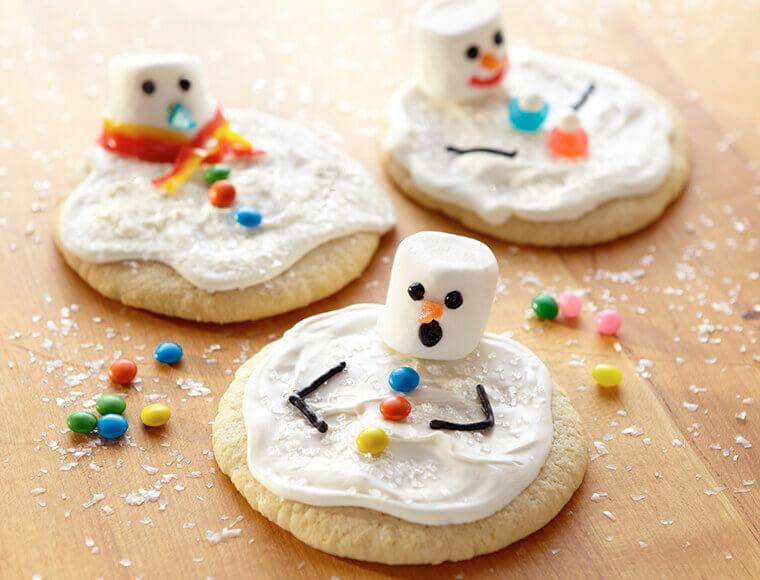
82,422
248,217
545,306
528,114
155,415
110,404
403,379
112,426
216,173
607,375
122,371
570,304
221,194
608,322
372,440
168,353
395,408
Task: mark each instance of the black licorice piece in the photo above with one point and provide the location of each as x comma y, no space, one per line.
430,333
297,401
584,97
459,151
485,404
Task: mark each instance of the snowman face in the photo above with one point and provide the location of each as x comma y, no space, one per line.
162,90
439,296
462,49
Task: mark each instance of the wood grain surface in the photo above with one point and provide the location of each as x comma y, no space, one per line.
671,489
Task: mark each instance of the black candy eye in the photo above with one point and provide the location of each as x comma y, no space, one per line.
472,52
453,299
148,87
184,84
498,38
416,291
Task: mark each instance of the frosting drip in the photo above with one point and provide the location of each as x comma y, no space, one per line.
629,143
307,190
423,476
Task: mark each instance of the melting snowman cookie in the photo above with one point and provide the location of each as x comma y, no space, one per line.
183,215
361,408
526,146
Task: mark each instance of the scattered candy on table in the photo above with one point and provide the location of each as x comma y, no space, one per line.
155,415
568,139
108,404
215,173
608,322
395,408
82,422
122,371
570,304
248,217
168,353
221,193
112,426
607,375
529,113
545,307
372,440
403,379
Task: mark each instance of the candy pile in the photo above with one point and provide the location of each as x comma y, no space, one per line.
222,194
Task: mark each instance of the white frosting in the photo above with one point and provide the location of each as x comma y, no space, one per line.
423,476
308,192
629,143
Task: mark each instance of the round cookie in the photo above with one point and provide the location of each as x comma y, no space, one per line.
182,215
526,146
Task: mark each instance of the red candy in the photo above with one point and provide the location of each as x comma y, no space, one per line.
395,408
221,193
122,371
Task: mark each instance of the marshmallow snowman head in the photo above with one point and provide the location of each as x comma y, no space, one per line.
159,90
462,49
439,296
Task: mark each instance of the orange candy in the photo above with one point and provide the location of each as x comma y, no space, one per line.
570,144
122,371
395,408
221,193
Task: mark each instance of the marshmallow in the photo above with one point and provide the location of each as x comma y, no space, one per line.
532,103
569,123
161,90
439,296
461,49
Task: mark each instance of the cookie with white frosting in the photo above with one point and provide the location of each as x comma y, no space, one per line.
405,421
526,146
213,215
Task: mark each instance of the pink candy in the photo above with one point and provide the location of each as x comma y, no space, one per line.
608,322
569,304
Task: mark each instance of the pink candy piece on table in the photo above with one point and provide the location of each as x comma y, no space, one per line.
570,304
608,322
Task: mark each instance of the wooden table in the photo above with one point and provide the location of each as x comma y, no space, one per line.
675,492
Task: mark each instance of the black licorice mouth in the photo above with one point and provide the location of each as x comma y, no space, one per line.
430,333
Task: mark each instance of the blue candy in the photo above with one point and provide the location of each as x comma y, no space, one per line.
403,379
248,217
526,120
112,426
168,353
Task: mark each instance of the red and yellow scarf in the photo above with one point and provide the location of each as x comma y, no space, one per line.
214,142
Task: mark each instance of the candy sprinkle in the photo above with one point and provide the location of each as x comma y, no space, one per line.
122,371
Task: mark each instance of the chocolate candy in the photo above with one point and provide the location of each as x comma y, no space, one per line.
110,404
112,426
155,415
395,408
82,422
403,379
214,173
122,371
248,217
372,440
222,193
168,353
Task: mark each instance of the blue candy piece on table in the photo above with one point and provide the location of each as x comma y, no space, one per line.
527,120
248,217
112,426
403,379
168,353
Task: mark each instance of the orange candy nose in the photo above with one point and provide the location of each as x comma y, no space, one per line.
430,311
491,61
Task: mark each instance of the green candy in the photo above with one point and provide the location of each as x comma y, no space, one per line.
545,307
82,422
110,404
216,172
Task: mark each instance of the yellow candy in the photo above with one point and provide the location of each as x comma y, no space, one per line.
372,440
155,415
607,375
